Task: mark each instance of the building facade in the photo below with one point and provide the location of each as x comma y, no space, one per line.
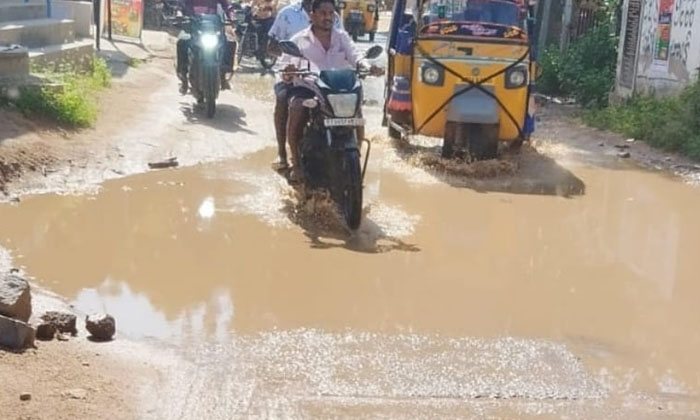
659,50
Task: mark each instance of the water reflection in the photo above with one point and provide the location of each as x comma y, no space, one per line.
139,318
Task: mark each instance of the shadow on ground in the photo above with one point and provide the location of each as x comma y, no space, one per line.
228,118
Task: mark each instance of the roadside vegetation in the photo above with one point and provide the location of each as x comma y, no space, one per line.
69,98
671,123
585,72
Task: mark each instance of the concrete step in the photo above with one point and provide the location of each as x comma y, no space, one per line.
76,55
14,62
37,33
10,12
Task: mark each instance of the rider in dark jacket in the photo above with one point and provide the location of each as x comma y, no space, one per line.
202,7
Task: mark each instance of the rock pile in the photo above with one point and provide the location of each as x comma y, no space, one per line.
17,334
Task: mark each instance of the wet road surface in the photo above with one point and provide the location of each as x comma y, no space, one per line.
567,288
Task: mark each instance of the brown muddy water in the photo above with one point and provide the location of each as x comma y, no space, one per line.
567,286
448,290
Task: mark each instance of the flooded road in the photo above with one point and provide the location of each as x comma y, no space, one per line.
568,288
600,287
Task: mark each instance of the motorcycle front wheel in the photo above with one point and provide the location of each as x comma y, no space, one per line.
211,79
350,199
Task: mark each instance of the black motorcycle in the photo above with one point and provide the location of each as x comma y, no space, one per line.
330,149
249,46
204,56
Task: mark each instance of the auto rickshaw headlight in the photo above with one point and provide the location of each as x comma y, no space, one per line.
341,5
371,8
516,77
431,75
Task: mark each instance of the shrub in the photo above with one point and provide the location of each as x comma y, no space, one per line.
671,124
585,70
73,102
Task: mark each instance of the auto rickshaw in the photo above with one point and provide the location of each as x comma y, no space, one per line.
359,17
463,71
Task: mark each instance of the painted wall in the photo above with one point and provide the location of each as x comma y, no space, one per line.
668,54
656,75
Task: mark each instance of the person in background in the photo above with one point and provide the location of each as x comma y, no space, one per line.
264,12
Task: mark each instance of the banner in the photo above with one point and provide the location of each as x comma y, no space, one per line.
663,32
127,18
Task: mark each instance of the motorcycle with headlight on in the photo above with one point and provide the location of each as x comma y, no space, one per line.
330,147
205,55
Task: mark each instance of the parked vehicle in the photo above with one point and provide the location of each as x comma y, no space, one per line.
159,12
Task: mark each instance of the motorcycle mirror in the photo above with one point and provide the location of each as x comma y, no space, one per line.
374,52
290,48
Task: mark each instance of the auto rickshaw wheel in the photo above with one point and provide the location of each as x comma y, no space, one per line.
394,134
483,141
449,140
517,144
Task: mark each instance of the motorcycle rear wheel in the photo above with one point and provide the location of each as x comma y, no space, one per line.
267,61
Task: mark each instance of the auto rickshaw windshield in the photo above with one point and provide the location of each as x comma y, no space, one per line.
485,18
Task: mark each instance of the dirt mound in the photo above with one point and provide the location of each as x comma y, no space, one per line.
25,146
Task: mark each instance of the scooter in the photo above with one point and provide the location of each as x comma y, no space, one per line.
330,148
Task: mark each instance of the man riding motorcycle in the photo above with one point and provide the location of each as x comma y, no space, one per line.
326,48
264,12
290,20
203,7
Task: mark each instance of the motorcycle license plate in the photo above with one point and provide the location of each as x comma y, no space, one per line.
344,122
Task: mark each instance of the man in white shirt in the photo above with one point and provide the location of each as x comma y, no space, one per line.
291,20
325,48
294,18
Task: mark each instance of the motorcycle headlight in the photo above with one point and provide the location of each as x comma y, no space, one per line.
344,104
516,77
432,75
209,41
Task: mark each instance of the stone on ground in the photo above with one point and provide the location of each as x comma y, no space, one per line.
63,321
15,297
101,326
15,334
45,331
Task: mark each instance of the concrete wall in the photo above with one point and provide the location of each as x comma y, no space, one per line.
664,76
79,11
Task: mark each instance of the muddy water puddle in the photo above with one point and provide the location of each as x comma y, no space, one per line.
601,287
